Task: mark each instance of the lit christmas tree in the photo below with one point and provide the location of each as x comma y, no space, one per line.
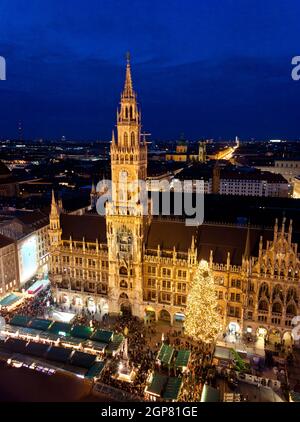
202,322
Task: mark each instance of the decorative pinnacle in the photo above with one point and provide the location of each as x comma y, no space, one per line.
128,89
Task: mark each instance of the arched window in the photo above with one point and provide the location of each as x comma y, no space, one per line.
123,271
126,112
123,284
263,305
132,139
277,292
264,291
277,308
125,139
131,113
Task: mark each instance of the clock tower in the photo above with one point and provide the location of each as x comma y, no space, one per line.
125,219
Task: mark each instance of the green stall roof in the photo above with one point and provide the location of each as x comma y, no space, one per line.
210,394
40,324
49,336
157,384
36,349
182,358
9,300
20,320
102,336
84,360
73,341
95,370
60,328
59,354
172,389
95,345
29,331
115,344
165,387
165,354
82,331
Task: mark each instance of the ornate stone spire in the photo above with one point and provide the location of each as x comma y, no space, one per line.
54,210
128,91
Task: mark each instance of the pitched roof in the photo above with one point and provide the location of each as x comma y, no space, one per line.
87,226
219,238
170,233
5,241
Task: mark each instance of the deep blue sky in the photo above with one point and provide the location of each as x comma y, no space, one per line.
208,68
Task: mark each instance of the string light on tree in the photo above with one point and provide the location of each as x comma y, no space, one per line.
202,321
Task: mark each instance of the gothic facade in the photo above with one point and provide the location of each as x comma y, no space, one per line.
125,261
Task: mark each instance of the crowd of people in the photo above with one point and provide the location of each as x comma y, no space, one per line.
144,343
33,306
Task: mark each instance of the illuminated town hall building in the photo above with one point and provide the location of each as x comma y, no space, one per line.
127,261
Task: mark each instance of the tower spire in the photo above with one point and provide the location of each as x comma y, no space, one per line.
128,88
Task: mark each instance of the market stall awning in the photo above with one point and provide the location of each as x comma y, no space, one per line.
82,331
60,328
20,320
172,389
115,344
10,300
157,385
182,358
102,336
59,354
95,370
40,324
94,346
83,360
165,354
37,287
164,386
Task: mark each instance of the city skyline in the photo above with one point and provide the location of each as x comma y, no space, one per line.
207,71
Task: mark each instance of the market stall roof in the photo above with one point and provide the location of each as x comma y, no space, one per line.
95,370
82,331
115,344
182,358
40,324
15,345
172,389
36,349
60,328
102,336
73,341
48,336
20,320
94,345
165,354
84,360
165,387
10,300
158,382
210,394
30,332
59,354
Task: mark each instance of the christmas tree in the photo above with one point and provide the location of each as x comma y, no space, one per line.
202,322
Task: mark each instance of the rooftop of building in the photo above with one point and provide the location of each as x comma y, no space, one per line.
5,241
169,233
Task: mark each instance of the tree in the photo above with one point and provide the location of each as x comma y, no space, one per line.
202,322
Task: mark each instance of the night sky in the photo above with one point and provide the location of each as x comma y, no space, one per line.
205,68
